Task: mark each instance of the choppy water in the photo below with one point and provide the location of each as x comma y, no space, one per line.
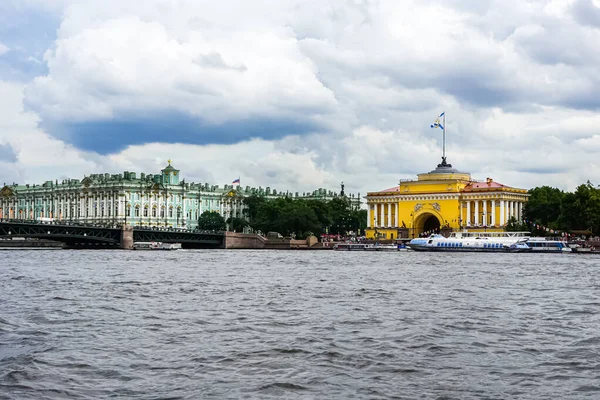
277,324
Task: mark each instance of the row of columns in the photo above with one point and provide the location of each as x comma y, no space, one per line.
507,210
377,217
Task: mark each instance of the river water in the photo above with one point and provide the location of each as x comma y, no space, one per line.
298,324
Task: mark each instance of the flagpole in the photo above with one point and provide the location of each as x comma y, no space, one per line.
444,147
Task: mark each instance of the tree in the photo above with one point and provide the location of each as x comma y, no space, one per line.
544,205
253,204
211,221
565,211
237,224
515,226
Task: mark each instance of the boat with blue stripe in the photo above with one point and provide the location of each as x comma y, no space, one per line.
461,241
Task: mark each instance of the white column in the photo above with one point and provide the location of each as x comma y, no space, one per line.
485,215
493,212
389,221
396,215
460,213
520,211
369,215
501,212
476,212
468,221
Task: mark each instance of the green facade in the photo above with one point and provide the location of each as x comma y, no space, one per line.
153,200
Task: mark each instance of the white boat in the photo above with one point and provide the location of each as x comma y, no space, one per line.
156,246
498,237
462,241
381,247
367,247
350,246
539,245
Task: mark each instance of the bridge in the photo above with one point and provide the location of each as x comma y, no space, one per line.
86,236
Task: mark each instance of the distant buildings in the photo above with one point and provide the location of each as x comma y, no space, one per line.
160,200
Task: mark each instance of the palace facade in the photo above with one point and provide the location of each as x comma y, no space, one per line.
442,199
153,200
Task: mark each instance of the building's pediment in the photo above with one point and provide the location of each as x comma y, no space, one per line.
87,181
6,191
156,187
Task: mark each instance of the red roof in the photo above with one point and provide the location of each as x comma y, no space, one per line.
394,189
489,184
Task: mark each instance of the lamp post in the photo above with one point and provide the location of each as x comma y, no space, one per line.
412,226
178,215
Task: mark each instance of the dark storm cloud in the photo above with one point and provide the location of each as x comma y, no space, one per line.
111,136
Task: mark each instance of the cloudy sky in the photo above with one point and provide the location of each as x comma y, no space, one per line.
301,94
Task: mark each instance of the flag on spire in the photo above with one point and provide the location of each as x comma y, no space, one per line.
236,181
438,123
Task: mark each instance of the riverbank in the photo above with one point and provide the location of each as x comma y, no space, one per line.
30,244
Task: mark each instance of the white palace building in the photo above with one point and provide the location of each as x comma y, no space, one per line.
160,200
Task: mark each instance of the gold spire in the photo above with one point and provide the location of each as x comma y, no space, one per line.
169,160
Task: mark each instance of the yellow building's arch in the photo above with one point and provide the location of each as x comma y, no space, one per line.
427,222
443,199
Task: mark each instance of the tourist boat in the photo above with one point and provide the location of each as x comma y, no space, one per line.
156,246
468,241
381,247
498,237
349,246
539,245
366,247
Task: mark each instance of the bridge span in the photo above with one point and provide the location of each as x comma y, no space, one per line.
85,236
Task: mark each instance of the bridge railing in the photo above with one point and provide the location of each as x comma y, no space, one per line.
108,226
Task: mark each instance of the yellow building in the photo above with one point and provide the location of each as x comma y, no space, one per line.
443,199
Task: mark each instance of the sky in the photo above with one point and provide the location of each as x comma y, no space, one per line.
301,94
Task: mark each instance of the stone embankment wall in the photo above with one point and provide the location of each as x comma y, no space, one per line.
235,240
30,244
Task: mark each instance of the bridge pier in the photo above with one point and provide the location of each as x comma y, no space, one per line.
127,237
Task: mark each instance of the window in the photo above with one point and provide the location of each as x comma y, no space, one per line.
162,212
170,213
137,211
154,212
146,212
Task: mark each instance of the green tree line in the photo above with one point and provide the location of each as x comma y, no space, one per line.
565,211
290,216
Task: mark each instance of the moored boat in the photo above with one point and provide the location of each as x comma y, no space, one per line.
478,243
368,247
539,245
156,246
350,246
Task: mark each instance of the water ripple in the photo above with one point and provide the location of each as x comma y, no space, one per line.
277,324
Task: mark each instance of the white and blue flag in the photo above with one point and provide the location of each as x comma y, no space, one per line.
437,123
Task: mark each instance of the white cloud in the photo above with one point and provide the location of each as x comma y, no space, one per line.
128,64
518,81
